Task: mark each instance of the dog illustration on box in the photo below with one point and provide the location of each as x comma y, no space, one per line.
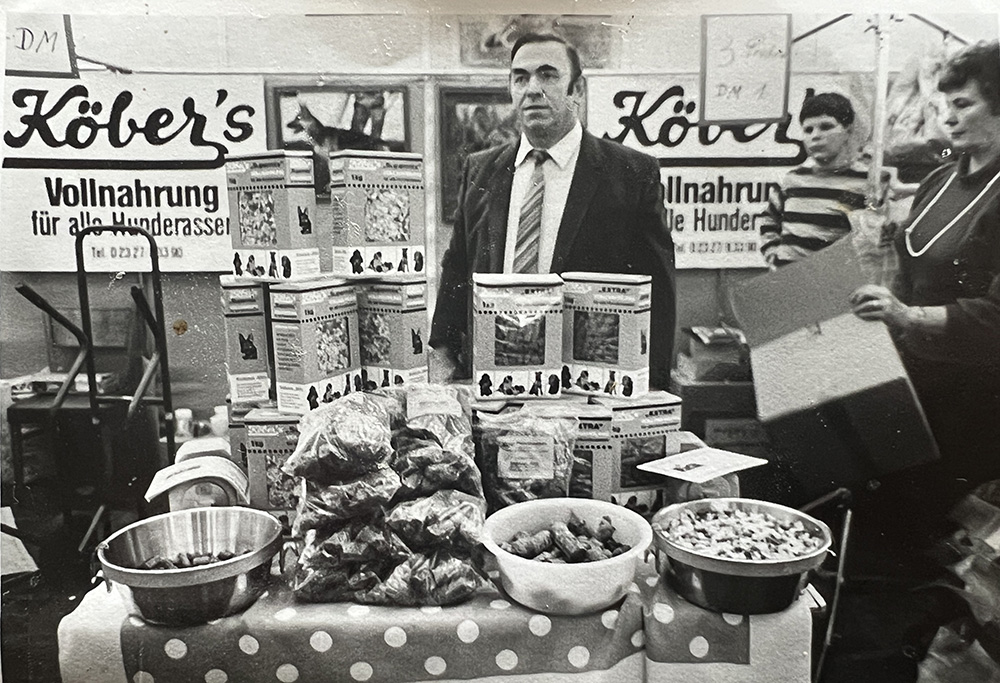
416,342
627,386
237,264
252,268
404,263
378,265
272,269
612,385
583,381
313,398
485,385
553,384
247,348
286,267
305,223
536,386
357,262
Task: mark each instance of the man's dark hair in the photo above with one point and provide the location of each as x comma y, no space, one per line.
828,104
979,63
574,57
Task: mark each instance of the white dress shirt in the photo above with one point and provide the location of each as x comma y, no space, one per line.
558,177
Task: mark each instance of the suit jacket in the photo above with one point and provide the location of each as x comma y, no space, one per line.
613,223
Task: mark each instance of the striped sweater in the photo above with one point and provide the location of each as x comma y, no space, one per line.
809,211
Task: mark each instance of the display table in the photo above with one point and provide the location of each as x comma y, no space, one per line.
652,635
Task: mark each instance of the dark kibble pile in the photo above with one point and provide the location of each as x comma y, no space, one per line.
186,560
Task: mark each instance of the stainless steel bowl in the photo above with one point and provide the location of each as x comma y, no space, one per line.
730,585
192,595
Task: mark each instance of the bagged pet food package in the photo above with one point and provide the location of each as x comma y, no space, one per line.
434,578
445,519
393,399
334,565
323,506
341,440
444,411
524,454
424,466
517,335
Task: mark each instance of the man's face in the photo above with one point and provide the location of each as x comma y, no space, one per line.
539,89
970,124
825,139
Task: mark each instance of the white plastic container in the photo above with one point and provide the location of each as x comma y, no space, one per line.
578,588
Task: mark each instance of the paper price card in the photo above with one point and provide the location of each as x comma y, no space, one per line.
701,464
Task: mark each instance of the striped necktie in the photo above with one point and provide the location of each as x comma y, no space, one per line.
529,229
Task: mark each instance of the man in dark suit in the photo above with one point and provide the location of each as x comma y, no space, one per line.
600,206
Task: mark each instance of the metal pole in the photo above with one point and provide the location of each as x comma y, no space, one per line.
882,33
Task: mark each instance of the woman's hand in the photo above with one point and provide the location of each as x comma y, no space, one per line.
874,302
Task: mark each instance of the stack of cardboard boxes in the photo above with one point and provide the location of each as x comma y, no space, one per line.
327,295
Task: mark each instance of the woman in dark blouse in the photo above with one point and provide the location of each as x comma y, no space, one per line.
944,307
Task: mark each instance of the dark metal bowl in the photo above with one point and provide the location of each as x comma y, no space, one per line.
730,585
192,595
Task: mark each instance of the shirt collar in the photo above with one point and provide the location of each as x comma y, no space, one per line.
562,152
856,164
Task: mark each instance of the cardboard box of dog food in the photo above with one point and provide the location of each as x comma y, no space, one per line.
642,429
606,333
248,359
271,438
517,335
314,325
272,210
392,330
376,222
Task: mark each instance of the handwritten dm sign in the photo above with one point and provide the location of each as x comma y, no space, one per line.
40,45
745,67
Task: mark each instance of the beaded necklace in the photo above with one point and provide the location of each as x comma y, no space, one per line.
909,230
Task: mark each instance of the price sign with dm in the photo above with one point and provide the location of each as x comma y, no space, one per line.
744,67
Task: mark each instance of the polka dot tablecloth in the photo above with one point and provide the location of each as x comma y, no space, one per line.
278,639
652,635
677,631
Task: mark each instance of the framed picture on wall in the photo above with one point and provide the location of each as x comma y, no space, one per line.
329,118
472,119
487,40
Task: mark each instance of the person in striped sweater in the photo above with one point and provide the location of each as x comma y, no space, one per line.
809,211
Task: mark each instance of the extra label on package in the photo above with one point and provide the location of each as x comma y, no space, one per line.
701,464
526,457
425,401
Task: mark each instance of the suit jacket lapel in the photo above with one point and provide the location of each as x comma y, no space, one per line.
581,192
498,187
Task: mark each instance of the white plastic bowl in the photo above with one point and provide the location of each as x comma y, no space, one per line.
566,588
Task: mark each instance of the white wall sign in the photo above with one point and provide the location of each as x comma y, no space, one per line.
745,65
715,176
141,150
40,45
